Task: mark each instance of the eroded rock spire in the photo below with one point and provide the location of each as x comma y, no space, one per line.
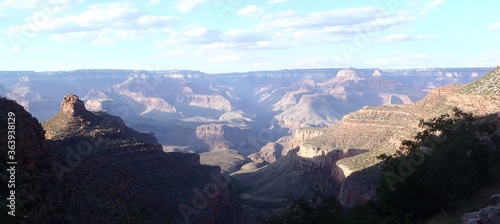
72,104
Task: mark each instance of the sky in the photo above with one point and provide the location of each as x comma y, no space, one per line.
219,36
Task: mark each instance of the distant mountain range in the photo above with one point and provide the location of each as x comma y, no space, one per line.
191,111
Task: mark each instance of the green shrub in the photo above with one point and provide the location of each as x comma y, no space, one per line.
459,154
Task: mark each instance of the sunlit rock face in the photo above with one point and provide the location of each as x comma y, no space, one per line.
342,159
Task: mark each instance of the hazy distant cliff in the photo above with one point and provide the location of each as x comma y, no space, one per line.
177,105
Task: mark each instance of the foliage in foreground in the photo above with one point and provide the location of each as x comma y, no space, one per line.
321,209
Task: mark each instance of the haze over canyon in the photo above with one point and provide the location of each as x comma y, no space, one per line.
273,132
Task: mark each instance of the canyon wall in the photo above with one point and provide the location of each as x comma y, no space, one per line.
80,159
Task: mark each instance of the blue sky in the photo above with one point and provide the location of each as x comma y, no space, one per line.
237,35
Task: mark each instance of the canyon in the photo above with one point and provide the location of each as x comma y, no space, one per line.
342,159
276,132
263,106
82,166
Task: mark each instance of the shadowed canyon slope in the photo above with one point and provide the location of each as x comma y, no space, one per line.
89,167
341,159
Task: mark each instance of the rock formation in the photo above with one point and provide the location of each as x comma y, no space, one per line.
179,105
488,215
71,104
178,101
29,150
216,102
95,169
304,134
343,160
269,153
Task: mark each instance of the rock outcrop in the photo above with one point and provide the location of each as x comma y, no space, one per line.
214,136
313,110
216,102
304,134
95,159
269,153
71,104
488,215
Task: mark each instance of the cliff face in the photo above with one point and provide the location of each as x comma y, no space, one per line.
343,160
304,134
25,155
95,159
213,135
269,153
28,133
381,129
312,110
216,102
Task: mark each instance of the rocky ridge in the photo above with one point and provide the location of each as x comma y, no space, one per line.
95,159
343,159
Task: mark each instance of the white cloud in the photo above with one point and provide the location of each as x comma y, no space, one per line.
176,54
286,29
101,37
404,37
485,60
289,29
318,62
429,6
40,49
348,20
276,1
279,14
18,4
434,4
403,59
194,34
100,24
225,58
3,18
153,2
48,5
250,11
188,5
156,20
495,25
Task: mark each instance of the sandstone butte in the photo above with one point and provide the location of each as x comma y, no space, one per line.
85,167
341,159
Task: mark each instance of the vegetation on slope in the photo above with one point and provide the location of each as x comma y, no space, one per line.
488,84
451,159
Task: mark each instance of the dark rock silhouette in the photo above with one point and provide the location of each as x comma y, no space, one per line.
94,169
